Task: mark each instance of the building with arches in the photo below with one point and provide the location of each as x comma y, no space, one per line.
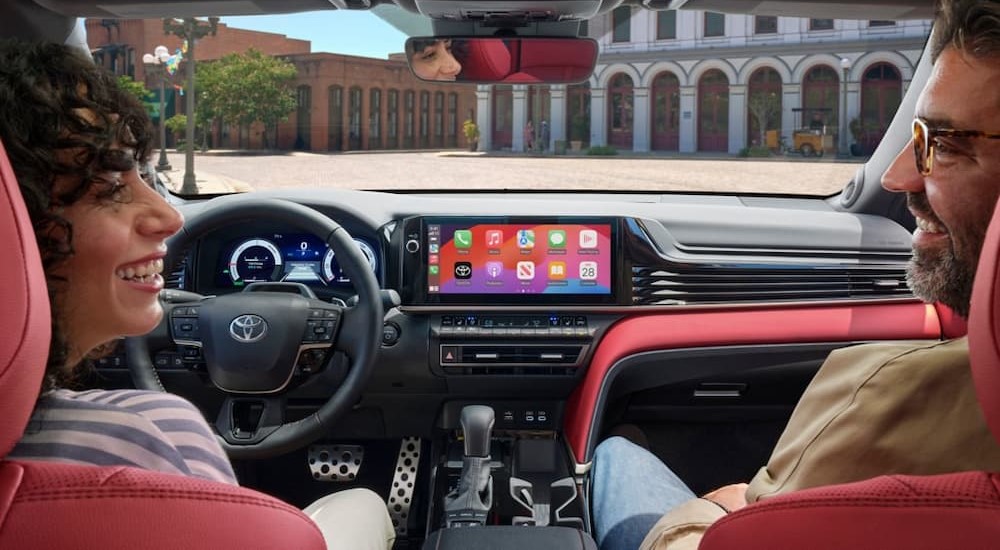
691,81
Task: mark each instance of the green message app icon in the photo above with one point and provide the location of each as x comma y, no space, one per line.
463,238
557,238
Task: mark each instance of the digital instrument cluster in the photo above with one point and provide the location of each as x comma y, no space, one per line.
288,257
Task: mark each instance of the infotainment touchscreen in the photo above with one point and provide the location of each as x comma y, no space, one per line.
518,258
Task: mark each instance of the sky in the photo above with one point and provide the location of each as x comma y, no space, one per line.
335,31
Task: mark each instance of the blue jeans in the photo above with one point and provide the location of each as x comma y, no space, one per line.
631,490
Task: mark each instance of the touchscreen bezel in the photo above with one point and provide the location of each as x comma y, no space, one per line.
415,264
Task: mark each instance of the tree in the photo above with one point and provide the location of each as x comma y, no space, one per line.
244,88
764,107
138,89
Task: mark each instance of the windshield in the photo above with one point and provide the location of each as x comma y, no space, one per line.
678,101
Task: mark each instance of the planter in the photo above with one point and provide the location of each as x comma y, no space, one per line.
575,145
856,150
473,145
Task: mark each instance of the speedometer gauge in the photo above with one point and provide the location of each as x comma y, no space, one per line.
254,260
331,270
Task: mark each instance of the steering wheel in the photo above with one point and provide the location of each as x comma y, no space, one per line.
252,340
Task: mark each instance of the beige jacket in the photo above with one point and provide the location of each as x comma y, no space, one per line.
871,410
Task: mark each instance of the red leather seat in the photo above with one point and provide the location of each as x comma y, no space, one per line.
48,505
960,510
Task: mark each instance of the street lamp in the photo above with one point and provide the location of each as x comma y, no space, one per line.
842,147
190,29
155,65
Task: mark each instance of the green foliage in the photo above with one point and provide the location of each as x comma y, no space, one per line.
579,127
755,152
243,88
470,130
177,124
602,150
765,108
138,89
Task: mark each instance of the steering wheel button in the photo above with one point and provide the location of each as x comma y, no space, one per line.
330,314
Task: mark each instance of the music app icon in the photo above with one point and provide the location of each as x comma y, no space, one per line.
494,238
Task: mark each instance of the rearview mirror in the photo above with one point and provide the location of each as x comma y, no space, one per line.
502,60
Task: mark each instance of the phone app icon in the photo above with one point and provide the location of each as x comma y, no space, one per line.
463,238
494,269
525,271
463,270
526,238
588,238
557,238
433,270
588,271
494,238
557,270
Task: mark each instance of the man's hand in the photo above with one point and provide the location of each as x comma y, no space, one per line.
731,497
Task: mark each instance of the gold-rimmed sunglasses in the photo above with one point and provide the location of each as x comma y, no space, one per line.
923,142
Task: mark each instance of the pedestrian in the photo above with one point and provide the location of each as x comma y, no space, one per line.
543,136
529,136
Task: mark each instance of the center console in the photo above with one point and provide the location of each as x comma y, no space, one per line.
514,306
496,488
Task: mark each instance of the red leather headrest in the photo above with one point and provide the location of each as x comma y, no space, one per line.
984,327
24,312
486,59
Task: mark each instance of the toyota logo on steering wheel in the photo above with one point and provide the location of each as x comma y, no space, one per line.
248,328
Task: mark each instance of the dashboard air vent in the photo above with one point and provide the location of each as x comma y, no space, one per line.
177,279
710,284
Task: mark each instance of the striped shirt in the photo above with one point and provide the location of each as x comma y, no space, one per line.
143,429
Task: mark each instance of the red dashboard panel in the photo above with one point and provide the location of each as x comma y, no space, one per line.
745,327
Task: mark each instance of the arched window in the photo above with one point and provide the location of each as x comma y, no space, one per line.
425,118
763,107
503,117
451,128
354,118
303,119
375,119
621,106
713,111
438,119
335,128
821,98
666,112
578,112
881,93
392,120
408,119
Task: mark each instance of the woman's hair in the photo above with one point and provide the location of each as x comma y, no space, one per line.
63,117
972,26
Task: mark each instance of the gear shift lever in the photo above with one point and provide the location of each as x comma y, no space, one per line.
470,502
477,427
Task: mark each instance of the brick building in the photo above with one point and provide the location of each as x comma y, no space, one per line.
344,102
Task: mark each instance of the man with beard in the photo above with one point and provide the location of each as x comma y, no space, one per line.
888,408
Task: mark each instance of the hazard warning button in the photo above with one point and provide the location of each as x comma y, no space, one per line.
451,354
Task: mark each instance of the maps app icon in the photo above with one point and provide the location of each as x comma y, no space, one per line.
526,238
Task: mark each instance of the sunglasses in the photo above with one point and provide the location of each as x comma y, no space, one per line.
923,142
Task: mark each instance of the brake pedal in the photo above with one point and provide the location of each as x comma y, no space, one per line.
339,463
404,481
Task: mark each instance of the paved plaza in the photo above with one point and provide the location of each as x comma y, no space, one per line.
221,172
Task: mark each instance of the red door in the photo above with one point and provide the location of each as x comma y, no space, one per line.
666,112
620,111
713,112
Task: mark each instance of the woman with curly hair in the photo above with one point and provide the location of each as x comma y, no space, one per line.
76,142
